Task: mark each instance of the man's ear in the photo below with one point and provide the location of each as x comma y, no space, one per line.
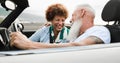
82,12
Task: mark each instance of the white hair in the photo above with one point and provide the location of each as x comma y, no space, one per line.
74,30
88,7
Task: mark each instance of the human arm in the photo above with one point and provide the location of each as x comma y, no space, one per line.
21,41
91,40
47,24
88,41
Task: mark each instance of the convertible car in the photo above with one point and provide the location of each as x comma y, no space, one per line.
100,53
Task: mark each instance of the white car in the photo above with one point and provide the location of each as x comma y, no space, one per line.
100,53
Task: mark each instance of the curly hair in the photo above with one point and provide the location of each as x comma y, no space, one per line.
56,10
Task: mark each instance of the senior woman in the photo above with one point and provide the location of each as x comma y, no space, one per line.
56,14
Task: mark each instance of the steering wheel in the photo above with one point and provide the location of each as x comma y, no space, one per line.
5,38
17,27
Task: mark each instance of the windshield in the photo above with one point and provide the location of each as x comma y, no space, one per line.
3,13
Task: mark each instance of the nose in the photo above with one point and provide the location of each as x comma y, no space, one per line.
61,22
71,21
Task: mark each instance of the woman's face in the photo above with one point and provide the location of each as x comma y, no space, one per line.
58,23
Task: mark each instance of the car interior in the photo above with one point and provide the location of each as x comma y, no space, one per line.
109,13
20,6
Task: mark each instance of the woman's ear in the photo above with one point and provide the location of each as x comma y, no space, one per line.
82,12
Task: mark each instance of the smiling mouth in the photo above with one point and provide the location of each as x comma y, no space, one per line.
59,27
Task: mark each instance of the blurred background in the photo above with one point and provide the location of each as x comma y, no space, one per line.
35,13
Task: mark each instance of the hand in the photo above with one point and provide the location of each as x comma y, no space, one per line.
48,24
19,40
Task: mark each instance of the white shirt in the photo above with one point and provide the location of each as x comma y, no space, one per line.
98,31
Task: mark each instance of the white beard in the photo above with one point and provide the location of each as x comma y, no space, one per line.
74,30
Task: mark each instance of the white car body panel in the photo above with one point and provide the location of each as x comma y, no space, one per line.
105,53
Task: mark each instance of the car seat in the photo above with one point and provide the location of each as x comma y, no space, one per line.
111,12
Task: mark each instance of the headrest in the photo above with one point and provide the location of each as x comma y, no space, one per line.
111,11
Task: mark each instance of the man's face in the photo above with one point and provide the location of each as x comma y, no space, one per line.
58,23
75,16
75,28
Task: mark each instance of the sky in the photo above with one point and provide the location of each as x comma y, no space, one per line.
39,7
